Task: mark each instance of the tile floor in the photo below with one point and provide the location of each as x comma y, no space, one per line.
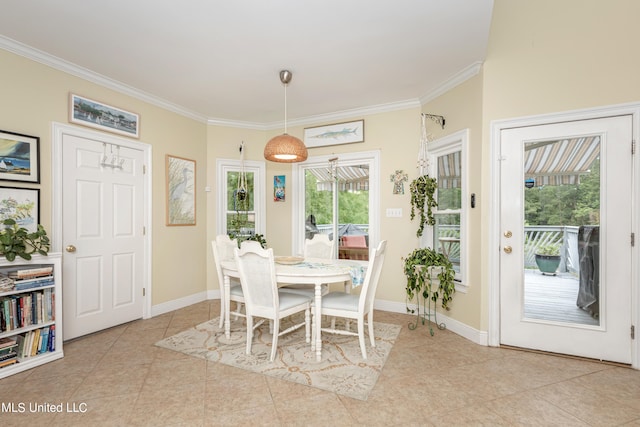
119,378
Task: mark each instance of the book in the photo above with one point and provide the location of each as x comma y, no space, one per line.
52,338
35,343
20,339
30,272
8,362
44,340
7,342
28,284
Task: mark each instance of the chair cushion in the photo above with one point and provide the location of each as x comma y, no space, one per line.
288,300
340,301
306,290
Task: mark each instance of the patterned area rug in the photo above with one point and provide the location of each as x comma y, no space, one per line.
342,369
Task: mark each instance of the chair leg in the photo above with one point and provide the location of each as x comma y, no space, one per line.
238,309
307,326
222,313
274,342
361,337
371,337
249,333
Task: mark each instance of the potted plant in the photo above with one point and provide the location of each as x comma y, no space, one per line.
430,277
548,258
423,200
18,241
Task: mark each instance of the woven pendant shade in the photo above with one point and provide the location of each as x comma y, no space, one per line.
285,149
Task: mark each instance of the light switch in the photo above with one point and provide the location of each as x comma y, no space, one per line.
394,212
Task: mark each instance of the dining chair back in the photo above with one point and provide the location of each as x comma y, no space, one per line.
256,268
223,247
320,246
352,306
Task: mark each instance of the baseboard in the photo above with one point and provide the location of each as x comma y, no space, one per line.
455,326
179,303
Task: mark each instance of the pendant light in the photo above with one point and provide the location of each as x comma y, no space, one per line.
285,148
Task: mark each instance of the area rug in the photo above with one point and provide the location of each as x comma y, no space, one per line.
342,369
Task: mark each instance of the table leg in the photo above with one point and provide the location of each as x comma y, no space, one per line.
227,306
317,321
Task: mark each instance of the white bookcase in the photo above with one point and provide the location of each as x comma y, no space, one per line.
49,292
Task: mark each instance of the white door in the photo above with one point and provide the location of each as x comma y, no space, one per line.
595,278
102,222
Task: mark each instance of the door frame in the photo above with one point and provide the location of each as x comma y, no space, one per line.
493,239
58,130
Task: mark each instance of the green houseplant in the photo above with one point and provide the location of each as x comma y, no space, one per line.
423,200
430,277
18,241
548,258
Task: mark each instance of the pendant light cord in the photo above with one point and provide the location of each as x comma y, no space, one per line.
285,108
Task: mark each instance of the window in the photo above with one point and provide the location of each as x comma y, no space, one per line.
448,159
239,213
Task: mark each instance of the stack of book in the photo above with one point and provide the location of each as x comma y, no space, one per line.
29,278
8,351
36,342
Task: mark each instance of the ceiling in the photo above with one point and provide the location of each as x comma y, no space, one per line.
220,60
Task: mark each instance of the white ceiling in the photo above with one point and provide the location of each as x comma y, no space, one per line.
220,60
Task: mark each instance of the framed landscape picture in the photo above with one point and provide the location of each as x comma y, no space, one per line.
95,114
181,194
22,205
19,157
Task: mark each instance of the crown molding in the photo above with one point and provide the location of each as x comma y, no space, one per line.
93,77
453,81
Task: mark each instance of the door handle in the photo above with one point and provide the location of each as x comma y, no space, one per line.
70,248
507,249
508,234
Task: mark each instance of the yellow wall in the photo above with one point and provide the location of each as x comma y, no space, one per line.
35,95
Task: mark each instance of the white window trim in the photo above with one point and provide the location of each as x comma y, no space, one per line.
372,158
458,141
223,166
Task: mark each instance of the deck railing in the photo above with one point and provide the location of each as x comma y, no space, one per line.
534,237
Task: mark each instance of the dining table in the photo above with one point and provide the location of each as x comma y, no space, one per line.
311,271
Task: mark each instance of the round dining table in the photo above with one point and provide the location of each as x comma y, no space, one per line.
311,271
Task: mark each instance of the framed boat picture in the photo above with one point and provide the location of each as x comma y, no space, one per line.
19,157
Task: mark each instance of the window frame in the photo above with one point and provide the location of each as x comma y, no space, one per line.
455,142
223,167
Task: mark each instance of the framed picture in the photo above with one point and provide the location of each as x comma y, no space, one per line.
22,205
181,191
19,157
279,188
340,133
87,112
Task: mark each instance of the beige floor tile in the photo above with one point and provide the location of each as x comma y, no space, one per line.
439,380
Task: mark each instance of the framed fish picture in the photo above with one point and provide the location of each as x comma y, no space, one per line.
19,157
336,134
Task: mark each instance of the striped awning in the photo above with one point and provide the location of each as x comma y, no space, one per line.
350,178
560,161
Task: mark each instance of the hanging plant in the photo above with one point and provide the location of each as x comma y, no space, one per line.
423,200
430,276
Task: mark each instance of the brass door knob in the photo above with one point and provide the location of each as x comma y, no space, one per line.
70,248
507,249
508,234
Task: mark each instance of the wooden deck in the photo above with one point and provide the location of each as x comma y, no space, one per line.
554,298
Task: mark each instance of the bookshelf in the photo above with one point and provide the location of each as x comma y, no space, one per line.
30,313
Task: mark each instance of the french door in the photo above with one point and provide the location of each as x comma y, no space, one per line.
338,196
567,185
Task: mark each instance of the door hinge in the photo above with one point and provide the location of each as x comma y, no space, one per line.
633,239
144,230
633,146
633,332
144,169
144,292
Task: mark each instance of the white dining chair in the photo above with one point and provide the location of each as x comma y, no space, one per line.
319,247
352,306
223,248
263,299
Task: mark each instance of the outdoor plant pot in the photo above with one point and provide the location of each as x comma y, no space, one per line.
548,264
